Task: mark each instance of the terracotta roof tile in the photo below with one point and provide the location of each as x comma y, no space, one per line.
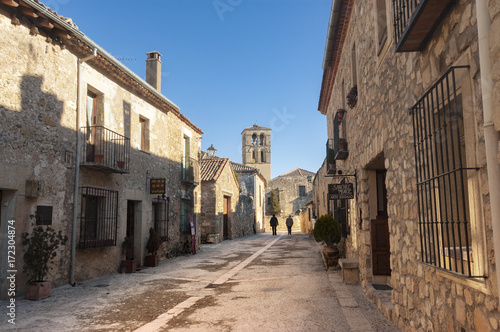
211,168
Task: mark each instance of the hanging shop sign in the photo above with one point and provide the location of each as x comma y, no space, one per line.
157,186
340,191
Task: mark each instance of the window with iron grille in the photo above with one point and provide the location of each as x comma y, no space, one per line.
43,215
442,176
160,217
98,217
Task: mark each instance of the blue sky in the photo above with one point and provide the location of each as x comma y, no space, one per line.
227,64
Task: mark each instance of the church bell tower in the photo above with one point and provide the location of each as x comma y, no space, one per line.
256,149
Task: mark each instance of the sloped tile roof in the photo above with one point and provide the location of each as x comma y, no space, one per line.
256,127
297,172
211,168
242,168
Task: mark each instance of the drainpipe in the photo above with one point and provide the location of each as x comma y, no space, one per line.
491,136
77,167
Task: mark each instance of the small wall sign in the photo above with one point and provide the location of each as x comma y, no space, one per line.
157,186
340,191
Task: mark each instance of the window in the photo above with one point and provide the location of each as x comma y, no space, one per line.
98,217
263,156
160,217
262,140
381,20
43,215
185,228
187,167
144,133
91,116
302,191
254,156
443,176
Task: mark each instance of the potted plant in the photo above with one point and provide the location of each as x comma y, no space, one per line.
342,144
39,251
328,230
129,264
340,115
152,247
352,96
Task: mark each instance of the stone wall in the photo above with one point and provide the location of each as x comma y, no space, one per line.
38,102
379,132
252,187
290,201
494,44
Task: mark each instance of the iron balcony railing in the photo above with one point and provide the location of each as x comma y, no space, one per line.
190,170
105,150
416,20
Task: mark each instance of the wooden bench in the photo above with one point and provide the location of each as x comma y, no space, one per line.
350,270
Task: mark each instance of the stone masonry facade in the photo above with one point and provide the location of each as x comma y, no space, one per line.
380,133
293,199
42,85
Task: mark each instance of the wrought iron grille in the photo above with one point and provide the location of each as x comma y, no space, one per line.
160,216
98,218
403,10
441,171
106,149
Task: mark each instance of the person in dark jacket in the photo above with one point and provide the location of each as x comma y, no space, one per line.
289,224
274,224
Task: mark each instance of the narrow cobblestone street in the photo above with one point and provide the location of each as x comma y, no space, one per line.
256,283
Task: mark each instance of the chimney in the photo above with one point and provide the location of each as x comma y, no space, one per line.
153,70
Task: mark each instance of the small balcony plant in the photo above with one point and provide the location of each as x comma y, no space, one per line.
40,249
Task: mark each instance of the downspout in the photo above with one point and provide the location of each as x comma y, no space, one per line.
77,167
491,136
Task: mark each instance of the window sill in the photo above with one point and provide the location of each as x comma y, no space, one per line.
478,284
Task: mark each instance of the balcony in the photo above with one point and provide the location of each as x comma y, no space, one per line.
416,20
105,150
190,171
341,149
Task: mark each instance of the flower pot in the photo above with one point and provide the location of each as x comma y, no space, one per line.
340,115
152,260
99,158
129,266
331,255
38,290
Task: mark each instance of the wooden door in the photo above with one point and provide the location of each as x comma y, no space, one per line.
226,209
381,254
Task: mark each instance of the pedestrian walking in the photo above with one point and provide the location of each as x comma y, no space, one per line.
289,224
274,224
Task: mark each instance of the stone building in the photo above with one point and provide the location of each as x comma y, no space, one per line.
252,188
225,215
294,191
256,149
87,147
411,99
